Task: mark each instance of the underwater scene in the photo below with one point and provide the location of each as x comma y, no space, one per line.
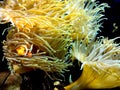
59,44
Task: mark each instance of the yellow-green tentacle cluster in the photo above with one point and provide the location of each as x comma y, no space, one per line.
42,31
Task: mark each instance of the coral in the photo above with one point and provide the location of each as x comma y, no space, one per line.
51,34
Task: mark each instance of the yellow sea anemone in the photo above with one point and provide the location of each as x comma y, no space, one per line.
100,63
49,26
55,17
42,31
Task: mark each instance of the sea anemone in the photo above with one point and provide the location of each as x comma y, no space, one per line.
42,30
100,63
50,35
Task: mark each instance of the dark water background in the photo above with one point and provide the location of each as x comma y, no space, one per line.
113,15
